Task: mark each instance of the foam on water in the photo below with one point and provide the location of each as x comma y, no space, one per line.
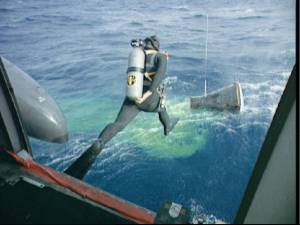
199,216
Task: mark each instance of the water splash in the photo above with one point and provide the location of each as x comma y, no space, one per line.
199,216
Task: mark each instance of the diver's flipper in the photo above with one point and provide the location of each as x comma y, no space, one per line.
172,125
82,165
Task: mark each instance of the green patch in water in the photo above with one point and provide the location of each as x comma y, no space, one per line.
88,113
147,132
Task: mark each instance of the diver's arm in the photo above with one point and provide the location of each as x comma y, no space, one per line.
142,99
160,75
161,60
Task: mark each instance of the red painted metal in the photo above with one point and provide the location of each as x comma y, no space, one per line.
130,211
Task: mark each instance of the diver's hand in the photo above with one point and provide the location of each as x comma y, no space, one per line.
166,53
146,95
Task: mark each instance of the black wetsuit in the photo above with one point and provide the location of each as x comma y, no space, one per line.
130,109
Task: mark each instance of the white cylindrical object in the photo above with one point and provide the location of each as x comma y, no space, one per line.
135,73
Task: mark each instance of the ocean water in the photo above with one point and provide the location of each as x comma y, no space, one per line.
78,51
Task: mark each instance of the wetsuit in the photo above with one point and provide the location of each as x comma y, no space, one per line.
156,63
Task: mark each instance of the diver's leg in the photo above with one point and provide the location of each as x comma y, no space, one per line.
166,122
81,166
164,119
127,113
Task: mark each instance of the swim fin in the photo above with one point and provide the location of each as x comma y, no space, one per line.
172,125
82,165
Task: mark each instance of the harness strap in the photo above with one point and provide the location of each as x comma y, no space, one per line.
135,69
150,52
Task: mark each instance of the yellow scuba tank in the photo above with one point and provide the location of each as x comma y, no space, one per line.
135,71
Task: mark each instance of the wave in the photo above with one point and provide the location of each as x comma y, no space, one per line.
199,216
250,17
7,27
253,124
136,24
196,16
52,19
276,84
243,11
6,10
179,8
186,59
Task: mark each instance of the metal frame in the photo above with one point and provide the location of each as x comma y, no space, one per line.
282,112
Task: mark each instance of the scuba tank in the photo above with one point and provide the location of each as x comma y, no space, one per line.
135,71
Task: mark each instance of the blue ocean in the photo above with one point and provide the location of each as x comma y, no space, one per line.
78,51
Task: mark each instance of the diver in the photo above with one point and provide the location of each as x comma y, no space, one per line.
148,77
